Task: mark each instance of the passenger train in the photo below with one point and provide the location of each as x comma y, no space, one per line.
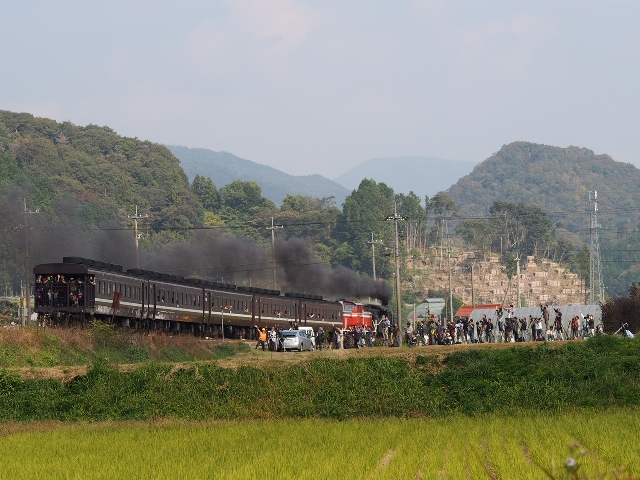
80,289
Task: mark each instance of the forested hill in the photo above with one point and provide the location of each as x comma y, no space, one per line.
224,168
101,171
79,178
558,180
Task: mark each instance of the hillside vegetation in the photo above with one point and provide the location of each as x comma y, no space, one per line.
558,180
95,168
68,190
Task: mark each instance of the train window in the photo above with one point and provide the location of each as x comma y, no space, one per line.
173,297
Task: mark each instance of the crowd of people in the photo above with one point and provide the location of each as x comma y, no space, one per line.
58,291
507,328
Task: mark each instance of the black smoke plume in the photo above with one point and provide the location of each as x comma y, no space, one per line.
302,269
207,254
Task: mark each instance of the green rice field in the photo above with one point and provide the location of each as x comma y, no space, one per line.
456,447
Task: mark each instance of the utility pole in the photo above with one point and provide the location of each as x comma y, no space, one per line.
596,287
518,303
450,288
473,291
273,249
137,217
396,217
449,267
27,292
373,254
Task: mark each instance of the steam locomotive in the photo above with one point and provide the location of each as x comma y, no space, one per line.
79,289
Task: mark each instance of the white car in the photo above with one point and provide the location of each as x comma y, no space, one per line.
310,334
296,340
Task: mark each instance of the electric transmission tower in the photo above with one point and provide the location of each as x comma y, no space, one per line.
596,287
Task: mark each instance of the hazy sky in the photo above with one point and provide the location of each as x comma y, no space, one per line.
321,86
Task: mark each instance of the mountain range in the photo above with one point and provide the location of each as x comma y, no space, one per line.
224,167
425,176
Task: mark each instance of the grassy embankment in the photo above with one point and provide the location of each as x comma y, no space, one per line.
38,347
601,373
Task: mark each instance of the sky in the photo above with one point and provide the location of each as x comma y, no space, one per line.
322,86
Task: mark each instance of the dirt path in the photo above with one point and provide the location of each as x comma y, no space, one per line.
259,358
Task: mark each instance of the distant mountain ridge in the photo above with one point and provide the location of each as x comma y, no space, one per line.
420,175
224,167
556,179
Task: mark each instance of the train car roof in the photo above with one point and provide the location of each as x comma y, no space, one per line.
60,269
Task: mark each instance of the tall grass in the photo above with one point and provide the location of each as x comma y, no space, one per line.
491,446
39,347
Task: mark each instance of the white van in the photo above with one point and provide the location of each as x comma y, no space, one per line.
310,334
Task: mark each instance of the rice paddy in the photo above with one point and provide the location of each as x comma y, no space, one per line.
530,446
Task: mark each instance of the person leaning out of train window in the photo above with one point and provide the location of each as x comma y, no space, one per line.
80,291
262,337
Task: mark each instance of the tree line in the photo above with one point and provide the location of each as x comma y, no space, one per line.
85,183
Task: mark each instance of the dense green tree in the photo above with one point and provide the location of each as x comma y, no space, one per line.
9,169
308,217
206,192
244,211
363,214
